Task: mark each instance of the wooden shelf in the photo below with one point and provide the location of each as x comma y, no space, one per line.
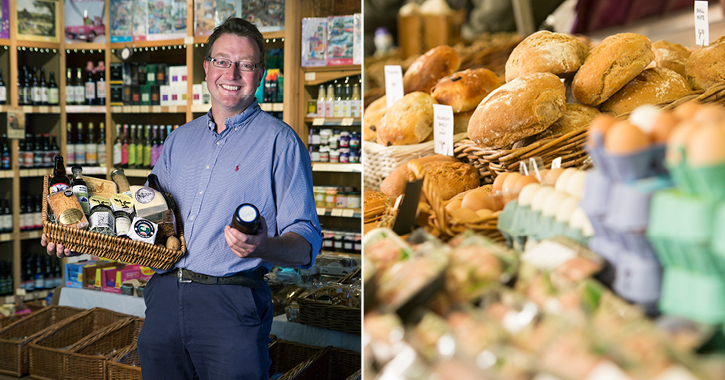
85,46
89,170
317,75
148,109
159,43
200,108
339,212
334,121
39,44
6,174
5,41
137,172
35,172
38,109
86,109
272,107
336,167
32,296
27,235
6,237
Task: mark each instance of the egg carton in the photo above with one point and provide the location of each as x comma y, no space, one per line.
628,206
707,182
693,295
648,162
596,194
638,279
681,232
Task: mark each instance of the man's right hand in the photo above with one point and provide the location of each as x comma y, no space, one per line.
54,249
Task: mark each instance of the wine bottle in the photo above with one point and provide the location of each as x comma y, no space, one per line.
35,87
70,146
117,147
155,147
101,84
91,146
44,96
101,145
80,190
80,89
38,156
132,147
90,85
139,147
59,181
80,145
70,89
53,91
3,91
47,152
147,148
124,147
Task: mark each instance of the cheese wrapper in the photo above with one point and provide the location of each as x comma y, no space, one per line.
167,224
143,230
122,202
67,209
99,200
147,201
100,187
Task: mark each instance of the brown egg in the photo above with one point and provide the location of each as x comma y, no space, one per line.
498,182
475,200
509,185
625,138
523,181
599,126
687,110
709,113
678,141
453,204
663,126
463,215
705,146
552,176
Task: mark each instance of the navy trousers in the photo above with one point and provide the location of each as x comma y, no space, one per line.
207,332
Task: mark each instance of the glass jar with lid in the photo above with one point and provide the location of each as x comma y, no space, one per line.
344,139
314,153
334,155
102,220
331,197
324,154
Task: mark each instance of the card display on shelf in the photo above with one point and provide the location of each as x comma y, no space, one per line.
16,124
314,41
38,20
84,21
357,43
267,15
5,19
166,20
204,17
340,35
122,20
140,17
226,9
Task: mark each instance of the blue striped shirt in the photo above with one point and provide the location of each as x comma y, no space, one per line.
257,159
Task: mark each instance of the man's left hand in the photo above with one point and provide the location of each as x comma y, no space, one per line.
243,245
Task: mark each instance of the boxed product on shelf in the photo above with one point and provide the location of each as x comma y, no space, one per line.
340,36
74,273
112,279
166,20
122,24
92,273
314,41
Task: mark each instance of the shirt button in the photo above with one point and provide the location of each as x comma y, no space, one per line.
218,142
192,218
207,166
201,191
235,129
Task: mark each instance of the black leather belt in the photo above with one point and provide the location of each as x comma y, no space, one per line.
246,278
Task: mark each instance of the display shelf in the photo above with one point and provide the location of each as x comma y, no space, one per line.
86,109
322,74
266,35
27,235
336,167
40,109
200,108
85,46
35,172
6,174
4,108
137,172
272,107
6,237
31,296
4,42
89,170
334,121
38,44
148,109
159,43
339,212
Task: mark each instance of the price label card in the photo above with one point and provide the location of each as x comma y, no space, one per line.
44,109
556,164
318,121
156,109
347,121
320,211
348,213
337,212
393,84
189,40
310,76
443,129
702,28
135,109
173,109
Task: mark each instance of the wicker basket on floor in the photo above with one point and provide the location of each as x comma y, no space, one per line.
87,358
110,247
47,352
124,365
15,337
287,355
328,316
329,364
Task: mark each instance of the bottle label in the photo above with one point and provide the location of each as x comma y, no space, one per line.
124,154
58,187
70,94
147,156
355,106
81,193
5,162
90,91
117,154
3,94
54,96
123,224
38,159
39,281
337,109
101,89
346,112
101,154
132,154
37,97
155,152
6,223
328,109
102,219
38,219
320,108
139,155
44,96
91,154
48,159
80,94
71,154
80,154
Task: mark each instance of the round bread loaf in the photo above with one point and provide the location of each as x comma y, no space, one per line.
408,121
451,178
706,67
371,118
655,85
546,52
611,65
464,90
394,184
576,116
425,71
671,56
523,107
460,121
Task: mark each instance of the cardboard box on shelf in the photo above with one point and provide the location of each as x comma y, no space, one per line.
420,33
92,274
74,273
112,279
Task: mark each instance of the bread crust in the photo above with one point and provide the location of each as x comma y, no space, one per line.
451,178
464,90
611,65
576,116
671,56
706,67
407,121
434,64
544,51
394,184
655,85
523,107
372,116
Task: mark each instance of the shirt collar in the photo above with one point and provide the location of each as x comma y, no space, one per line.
236,119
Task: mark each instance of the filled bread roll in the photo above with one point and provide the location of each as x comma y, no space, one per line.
546,52
706,67
671,56
425,71
464,90
655,85
523,107
371,118
611,65
407,121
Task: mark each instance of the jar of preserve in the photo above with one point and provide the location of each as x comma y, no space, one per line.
324,154
319,195
344,139
339,242
354,156
123,222
102,220
331,197
328,240
355,140
246,219
349,243
353,200
344,157
314,153
334,155
341,200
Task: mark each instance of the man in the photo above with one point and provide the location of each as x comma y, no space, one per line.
204,319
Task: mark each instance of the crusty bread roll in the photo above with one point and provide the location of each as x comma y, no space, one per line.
576,116
460,121
425,71
706,67
394,184
655,85
546,52
407,121
523,107
671,56
611,65
464,90
451,178
371,118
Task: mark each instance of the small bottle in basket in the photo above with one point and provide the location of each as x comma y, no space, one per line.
246,219
80,190
59,181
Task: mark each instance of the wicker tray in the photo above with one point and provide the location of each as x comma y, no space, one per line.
124,250
332,317
287,355
87,358
15,337
124,365
329,364
350,278
492,162
380,161
48,351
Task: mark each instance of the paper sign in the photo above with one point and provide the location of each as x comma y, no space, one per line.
320,211
408,210
16,124
318,121
337,212
393,84
348,213
702,28
310,76
443,129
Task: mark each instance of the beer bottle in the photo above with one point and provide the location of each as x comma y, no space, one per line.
80,190
60,181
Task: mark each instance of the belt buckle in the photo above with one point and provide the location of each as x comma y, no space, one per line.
181,279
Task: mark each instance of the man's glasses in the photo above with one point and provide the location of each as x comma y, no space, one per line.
224,63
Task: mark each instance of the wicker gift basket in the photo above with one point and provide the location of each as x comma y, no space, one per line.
86,360
329,363
325,314
48,351
15,337
110,247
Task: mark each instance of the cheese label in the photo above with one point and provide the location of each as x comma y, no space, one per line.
145,195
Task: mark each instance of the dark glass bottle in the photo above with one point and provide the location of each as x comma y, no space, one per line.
35,87
44,96
246,219
3,91
47,152
80,190
60,181
38,152
70,90
8,216
29,278
54,150
27,89
39,273
23,213
80,145
101,84
21,92
38,212
5,163
53,91
90,85
79,88
48,282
